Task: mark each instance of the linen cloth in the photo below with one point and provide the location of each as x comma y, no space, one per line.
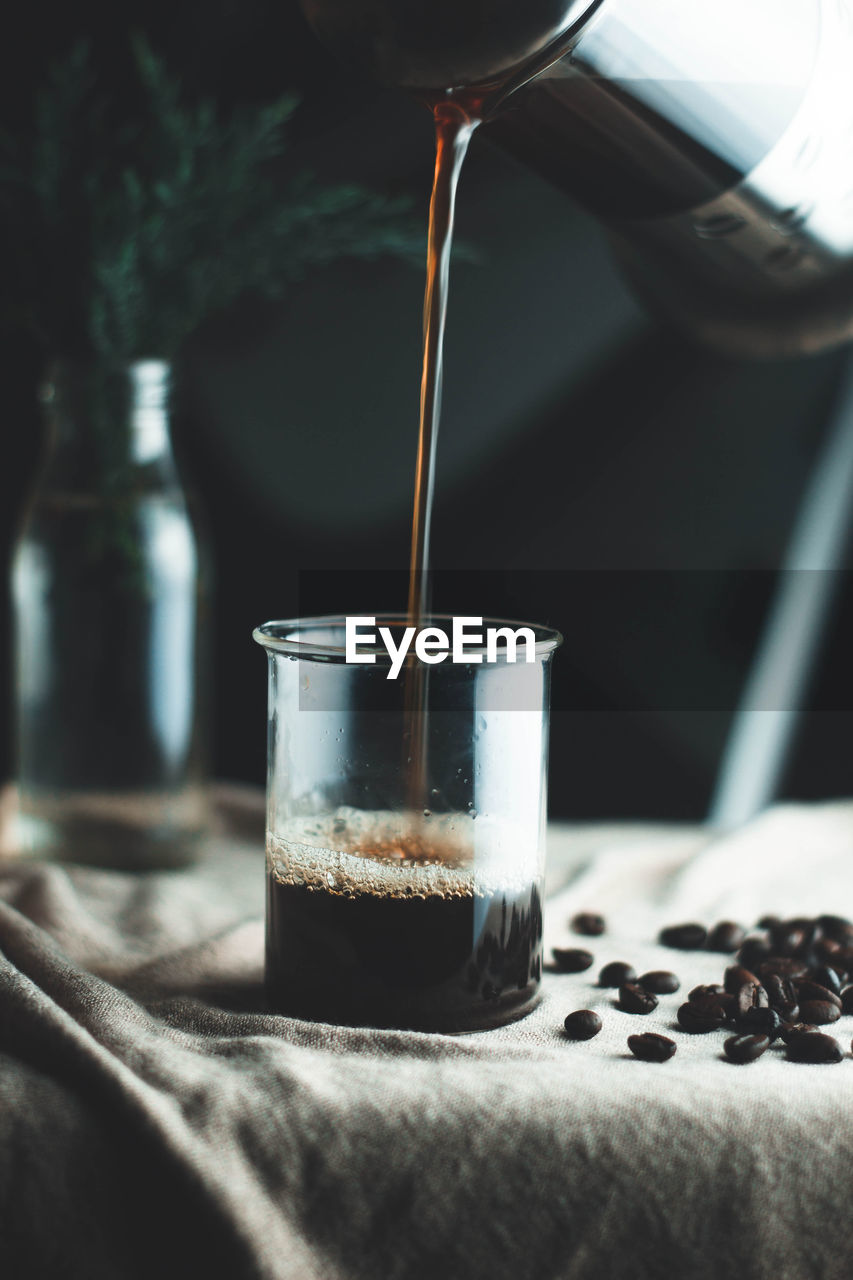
155,1120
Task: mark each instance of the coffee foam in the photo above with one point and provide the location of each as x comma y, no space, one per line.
352,852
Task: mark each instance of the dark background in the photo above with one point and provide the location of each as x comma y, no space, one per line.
577,436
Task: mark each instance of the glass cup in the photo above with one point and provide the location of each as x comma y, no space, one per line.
405,827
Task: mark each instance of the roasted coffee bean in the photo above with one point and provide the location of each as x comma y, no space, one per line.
660,981
745,1048
838,928
616,974
754,950
789,937
813,991
789,1012
750,996
635,999
769,922
650,1047
826,951
826,976
710,1004
808,950
820,1012
802,922
775,988
760,1022
589,923
847,1000
583,1024
683,937
815,1047
780,992
707,989
790,1030
726,936
697,1022
713,996
735,977
571,959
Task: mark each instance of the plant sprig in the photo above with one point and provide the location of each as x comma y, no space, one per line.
120,234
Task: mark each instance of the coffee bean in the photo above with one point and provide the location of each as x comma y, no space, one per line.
838,928
782,995
827,950
650,1047
710,1005
769,922
589,923
789,937
735,977
707,989
635,999
780,992
712,999
745,1048
754,950
761,1022
820,1012
750,996
726,936
571,960
698,1023
616,974
813,991
791,1030
847,1000
815,1047
660,981
826,977
583,1024
683,937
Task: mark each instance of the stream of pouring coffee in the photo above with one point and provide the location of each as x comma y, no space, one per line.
453,132
454,128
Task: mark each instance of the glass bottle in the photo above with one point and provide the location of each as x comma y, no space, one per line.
110,596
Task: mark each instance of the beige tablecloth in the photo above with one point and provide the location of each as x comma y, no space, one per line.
156,1121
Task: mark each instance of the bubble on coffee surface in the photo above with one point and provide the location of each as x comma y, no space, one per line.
353,851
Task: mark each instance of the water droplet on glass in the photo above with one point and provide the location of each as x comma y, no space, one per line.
427,813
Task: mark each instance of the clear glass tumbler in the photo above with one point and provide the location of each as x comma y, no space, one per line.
405,829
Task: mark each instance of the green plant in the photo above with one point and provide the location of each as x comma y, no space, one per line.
120,233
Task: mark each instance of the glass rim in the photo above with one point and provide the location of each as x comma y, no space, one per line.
283,635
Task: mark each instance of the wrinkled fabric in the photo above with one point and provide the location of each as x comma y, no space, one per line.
156,1120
